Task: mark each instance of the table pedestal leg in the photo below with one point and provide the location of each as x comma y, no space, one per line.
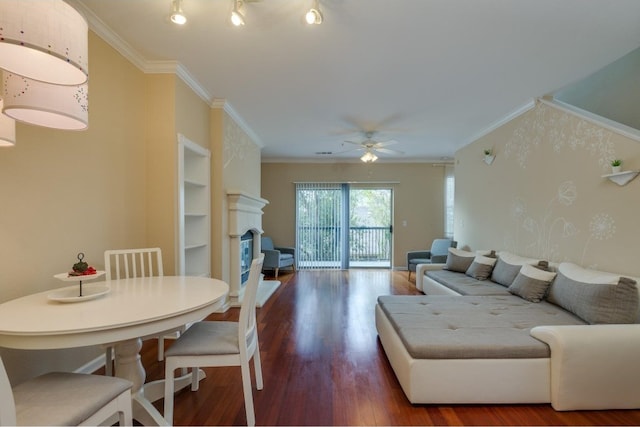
129,366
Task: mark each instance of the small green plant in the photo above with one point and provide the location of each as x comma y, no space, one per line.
487,151
616,162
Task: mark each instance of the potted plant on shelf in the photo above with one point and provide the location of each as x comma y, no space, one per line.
616,166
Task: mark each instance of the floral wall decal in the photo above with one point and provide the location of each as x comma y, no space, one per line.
237,144
559,129
548,198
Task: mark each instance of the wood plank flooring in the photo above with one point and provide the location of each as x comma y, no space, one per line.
323,365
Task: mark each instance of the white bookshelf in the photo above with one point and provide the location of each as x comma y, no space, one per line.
194,209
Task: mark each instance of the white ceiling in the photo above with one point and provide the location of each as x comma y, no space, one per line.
430,74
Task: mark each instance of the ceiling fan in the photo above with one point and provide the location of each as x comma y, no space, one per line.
371,147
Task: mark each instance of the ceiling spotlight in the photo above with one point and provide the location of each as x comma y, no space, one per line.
369,157
314,16
237,18
177,15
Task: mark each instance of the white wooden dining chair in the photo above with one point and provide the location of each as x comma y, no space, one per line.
218,343
131,263
65,399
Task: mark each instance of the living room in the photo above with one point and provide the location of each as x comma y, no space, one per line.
113,186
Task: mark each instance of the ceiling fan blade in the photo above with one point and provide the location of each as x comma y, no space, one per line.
347,151
386,143
388,151
354,142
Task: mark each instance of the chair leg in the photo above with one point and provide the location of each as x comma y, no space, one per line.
160,349
108,361
168,392
257,365
409,276
195,380
248,393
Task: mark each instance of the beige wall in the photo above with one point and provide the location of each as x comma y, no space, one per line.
236,161
418,198
66,192
544,195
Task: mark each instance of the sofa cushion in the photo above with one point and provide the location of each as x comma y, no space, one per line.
595,296
465,285
481,267
459,260
508,266
531,283
483,327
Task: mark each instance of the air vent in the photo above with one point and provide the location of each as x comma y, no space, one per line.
324,153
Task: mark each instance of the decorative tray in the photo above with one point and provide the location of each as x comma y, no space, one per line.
72,293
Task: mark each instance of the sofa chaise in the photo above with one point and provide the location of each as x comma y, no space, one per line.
505,329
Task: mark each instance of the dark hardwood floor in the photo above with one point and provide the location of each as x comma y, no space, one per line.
323,365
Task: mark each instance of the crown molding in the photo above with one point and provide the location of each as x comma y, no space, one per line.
223,104
125,49
613,126
495,125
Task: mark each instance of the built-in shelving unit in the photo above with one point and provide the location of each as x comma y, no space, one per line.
194,209
622,178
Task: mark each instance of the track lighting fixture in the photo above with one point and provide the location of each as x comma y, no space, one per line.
314,16
177,15
237,18
369,157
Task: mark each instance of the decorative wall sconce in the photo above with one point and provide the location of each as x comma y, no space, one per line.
489,157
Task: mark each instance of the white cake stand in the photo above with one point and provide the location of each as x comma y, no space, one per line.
66,278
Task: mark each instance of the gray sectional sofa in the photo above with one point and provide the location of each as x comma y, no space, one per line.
510,329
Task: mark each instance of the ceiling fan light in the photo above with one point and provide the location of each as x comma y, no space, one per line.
314,16
369,157
177,14
237,18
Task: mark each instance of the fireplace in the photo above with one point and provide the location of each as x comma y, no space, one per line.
245,228
246,256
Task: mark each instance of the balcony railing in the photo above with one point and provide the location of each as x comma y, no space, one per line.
320,246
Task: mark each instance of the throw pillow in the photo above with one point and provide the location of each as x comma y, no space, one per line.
459,260
508,267
594,296
481,267
531,283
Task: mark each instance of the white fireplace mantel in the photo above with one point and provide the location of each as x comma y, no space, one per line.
245,214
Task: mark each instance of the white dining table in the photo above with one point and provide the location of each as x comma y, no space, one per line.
121,314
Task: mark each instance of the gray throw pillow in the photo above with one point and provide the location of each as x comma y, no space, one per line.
531,283
481,267
505,273
459,260
595,297
508,267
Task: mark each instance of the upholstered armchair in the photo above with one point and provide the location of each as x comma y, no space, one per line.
277,257
437,254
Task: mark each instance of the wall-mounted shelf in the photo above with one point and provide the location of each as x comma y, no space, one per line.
622,178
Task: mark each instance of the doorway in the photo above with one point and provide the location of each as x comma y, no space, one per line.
339,226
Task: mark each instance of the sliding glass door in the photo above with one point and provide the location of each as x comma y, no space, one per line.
340,226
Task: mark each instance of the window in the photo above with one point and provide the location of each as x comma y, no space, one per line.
449,190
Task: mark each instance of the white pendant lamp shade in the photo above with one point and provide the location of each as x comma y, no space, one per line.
7,130
44,40
42,104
